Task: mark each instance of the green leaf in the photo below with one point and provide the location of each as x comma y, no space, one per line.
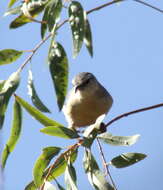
44,19
15,133
95,176
88,35
34,96
12,2
44,120
59,186
13,11
9,55
53,10
58,65
62,132
31,186
9,87
42,163
127,159
2,82
70,177
60,166
76,19
19,21
118,140
92,131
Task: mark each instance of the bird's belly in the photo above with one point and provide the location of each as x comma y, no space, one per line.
86,112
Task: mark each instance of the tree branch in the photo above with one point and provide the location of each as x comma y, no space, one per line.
105,165
133,112
148,5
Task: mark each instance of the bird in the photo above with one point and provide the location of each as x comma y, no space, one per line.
86,101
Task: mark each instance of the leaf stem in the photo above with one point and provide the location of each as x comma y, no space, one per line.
134,112
105,165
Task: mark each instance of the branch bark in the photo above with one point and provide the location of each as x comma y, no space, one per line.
133,112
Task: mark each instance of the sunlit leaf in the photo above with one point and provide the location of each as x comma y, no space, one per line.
42,163
127,159
9,55
53,9
95,176
76,19
43,119
9,87
58,65
92,131
34,96
13,11
49,186
118,140
12,2
70,177
88,35
14,134
62,132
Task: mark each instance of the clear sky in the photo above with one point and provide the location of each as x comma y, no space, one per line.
128,61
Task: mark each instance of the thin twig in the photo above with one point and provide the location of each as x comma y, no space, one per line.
148,5
105,163
33,51
104,5
134,112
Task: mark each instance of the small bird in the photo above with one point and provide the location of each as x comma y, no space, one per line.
87,100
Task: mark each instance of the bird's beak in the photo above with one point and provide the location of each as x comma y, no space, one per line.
77,87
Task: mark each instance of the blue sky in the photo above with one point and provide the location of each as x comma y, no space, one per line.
128,61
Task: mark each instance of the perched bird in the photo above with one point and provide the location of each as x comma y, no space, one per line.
86,101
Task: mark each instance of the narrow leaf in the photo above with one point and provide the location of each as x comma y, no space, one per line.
34,96
127,159
88,35
44,19
9,87
9,55
76,19
12,2
70,177
15,133
13,11
59,186
44,120
118,140
62,132
54,10
95,176
42,163
2,82
58,65
31,186
19,21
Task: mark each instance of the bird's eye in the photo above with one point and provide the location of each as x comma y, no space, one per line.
87,81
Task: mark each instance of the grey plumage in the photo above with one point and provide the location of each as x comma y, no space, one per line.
87,100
